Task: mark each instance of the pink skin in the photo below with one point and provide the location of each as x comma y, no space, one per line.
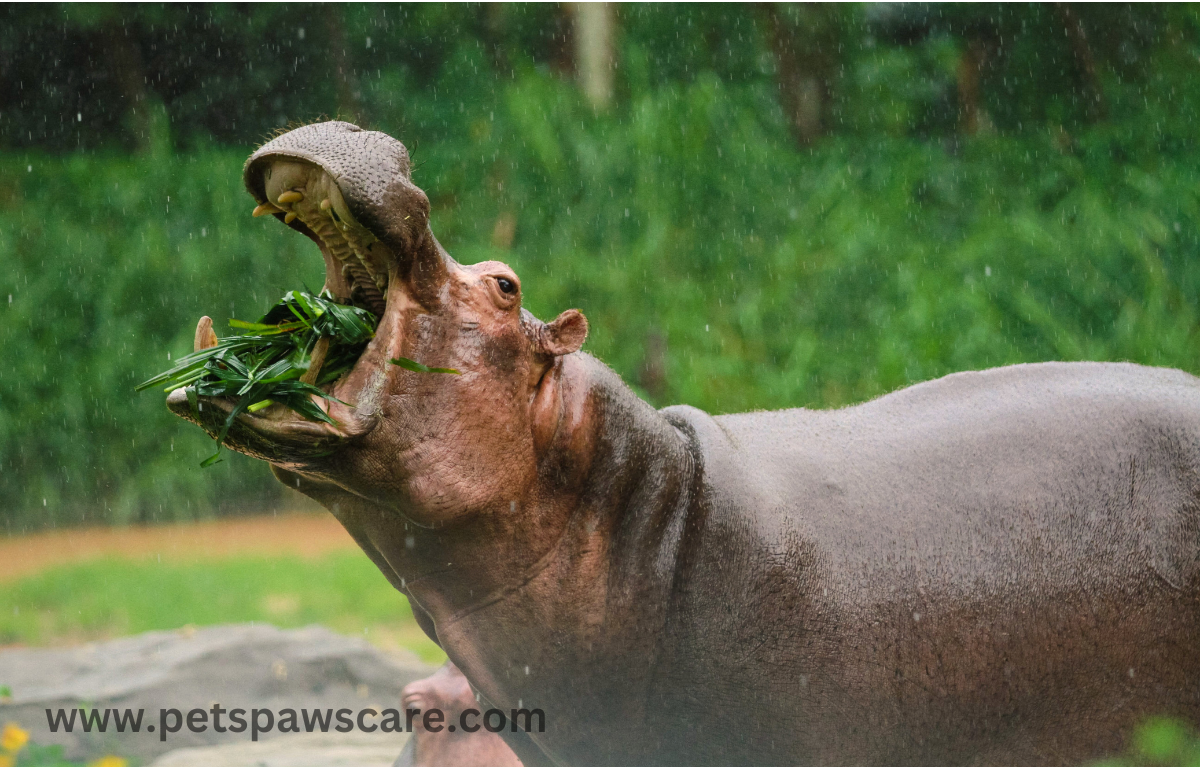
448,690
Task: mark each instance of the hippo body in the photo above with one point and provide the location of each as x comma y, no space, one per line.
994,567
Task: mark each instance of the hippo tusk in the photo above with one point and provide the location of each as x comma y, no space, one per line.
205,336
265,208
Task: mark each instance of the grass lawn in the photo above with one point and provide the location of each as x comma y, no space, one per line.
109,597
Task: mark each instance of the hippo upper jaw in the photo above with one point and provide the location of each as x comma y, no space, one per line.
351,192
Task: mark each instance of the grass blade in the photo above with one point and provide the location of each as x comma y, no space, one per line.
413,365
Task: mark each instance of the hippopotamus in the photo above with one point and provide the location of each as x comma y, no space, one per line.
998,566
448,692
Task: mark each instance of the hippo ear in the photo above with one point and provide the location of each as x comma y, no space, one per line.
565,335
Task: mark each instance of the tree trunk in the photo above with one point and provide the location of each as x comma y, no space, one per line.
1093,93
802,73
349,94
560,52
970,72
126,64
495,27
594,25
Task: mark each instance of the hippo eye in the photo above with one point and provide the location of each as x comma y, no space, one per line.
506,285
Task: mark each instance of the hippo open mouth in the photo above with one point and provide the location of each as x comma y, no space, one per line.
350,191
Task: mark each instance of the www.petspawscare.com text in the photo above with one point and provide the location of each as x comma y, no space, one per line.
260,721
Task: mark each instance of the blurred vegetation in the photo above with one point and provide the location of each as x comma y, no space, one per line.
1161,741
106,598
775,207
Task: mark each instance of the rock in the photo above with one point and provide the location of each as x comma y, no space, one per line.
238,666
332,749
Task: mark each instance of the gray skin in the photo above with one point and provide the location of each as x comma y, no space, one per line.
994,567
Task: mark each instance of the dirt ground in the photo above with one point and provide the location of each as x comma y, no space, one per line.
303,534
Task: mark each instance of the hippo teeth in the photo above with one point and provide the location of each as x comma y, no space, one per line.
306,194
206,337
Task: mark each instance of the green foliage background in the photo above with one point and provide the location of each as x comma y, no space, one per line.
685,223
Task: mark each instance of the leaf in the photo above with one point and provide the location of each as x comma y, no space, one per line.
266,328
413,365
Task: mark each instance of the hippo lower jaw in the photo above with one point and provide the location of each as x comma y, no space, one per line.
262,437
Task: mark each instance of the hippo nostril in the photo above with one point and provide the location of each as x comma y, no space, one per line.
413,701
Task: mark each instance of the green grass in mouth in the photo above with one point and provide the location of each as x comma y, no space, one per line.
264,365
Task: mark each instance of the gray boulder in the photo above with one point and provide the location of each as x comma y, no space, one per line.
239,666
